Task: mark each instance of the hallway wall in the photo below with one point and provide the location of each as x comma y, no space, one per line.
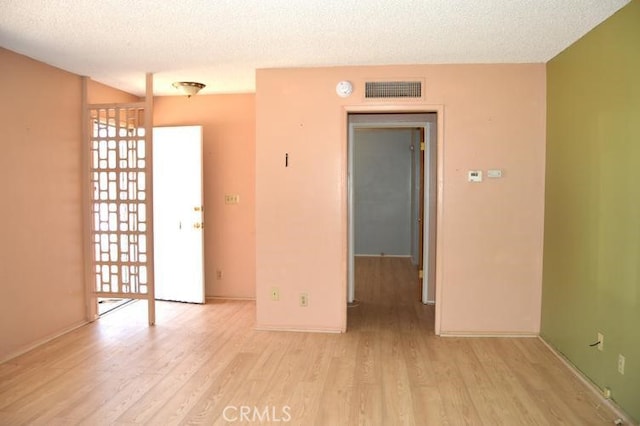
382,191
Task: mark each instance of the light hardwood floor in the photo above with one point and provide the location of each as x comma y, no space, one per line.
388,369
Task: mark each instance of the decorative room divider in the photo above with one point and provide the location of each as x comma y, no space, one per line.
118,201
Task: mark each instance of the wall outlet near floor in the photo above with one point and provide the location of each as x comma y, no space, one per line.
275,294
621,360
600,342
219,274
304,300
606,392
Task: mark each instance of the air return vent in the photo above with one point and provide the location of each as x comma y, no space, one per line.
392,89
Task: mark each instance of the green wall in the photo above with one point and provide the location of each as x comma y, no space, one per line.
591,279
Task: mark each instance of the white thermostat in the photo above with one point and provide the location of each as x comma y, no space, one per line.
475,175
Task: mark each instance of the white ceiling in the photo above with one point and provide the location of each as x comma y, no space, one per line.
222,42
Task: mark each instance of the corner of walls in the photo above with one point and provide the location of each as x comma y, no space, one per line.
592,232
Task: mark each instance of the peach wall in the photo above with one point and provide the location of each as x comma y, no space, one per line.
41,259
490,234
41,285
229,168
98,93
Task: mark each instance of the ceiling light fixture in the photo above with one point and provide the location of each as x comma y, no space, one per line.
188,88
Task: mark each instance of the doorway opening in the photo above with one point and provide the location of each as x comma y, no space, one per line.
110,304
392,175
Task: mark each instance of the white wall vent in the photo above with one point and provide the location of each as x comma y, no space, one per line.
392,89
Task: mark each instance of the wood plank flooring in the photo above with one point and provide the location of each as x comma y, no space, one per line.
205,364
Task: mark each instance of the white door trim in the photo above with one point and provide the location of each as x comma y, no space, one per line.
389,123
437,186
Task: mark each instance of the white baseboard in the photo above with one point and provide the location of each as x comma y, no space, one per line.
248,299
487,334
383,255
42,341
592,386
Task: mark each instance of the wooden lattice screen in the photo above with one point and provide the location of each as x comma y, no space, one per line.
120,238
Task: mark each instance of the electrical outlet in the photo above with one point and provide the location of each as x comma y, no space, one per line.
621,361
275,294
606,392
219,274
231,199
601,342
304,299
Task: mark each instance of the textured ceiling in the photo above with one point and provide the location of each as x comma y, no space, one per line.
222,42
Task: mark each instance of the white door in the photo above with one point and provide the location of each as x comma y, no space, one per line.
178,214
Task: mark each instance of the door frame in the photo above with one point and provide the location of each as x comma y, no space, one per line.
436,271
387,122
